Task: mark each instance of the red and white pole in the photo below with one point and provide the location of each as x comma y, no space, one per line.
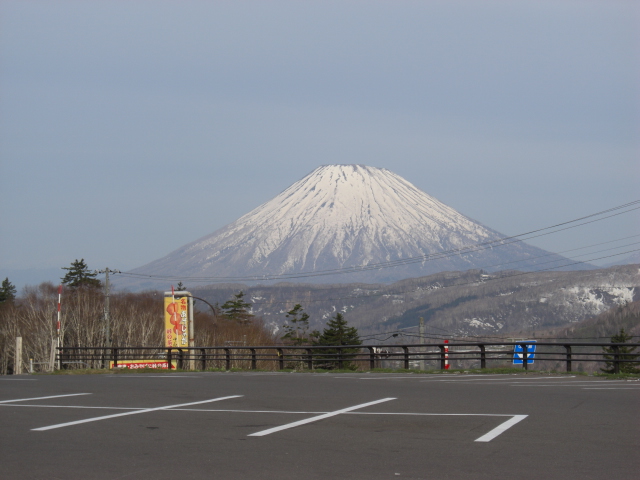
175,312
446,355
58,323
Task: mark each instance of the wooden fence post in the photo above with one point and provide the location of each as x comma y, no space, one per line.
52,356
17,362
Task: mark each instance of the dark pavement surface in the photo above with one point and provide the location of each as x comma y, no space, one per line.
575,427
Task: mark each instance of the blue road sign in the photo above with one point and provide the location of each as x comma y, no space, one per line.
518,352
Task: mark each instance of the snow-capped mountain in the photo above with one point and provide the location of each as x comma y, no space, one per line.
349,217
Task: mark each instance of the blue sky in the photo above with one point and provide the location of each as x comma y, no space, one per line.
130,128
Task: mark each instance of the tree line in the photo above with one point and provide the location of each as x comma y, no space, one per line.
137,319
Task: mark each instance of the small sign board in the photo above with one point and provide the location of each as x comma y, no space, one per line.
518,352
133,364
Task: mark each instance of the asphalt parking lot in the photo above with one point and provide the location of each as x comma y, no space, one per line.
317,426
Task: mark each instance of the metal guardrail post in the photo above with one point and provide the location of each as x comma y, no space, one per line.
169,359
227,358
616,359
254,363
405,350
203,359
442,357
340,361
525,353
372,358
483,357
309,358
568,355
180,359
114,356
280,358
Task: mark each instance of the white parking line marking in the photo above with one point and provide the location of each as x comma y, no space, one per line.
319,417
577,385
502,379
611,388
43,398
503,427
152,376
381,378
105,417
434,378
71,406
298,412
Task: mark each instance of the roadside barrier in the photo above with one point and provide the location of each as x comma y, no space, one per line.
362,357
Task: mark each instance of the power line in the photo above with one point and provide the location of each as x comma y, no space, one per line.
410,260
439,336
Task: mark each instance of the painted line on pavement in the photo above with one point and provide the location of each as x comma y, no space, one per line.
80,407
105,417
152,376
501,379
611,388
319,417
584,386
433,378
43,398
503,427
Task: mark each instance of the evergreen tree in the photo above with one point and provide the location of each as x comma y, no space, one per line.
237,309
296,329
626,353
181,288
79,275
339,333
7,291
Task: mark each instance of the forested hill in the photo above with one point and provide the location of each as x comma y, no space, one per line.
454,304
605,325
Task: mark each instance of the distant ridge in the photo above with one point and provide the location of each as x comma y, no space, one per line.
344,216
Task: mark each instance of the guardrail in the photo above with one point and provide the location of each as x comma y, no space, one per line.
280,357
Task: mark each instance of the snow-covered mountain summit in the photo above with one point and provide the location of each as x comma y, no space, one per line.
342,216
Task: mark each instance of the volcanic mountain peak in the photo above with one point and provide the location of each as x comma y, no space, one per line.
355,196
342,216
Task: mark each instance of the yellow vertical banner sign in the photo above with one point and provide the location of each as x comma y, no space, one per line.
176,317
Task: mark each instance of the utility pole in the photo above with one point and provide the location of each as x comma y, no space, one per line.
107,317
421,331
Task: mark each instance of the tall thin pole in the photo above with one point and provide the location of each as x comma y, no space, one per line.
107,312
422,362
107,319
58,342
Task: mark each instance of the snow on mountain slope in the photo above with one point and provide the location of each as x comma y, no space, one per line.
342,216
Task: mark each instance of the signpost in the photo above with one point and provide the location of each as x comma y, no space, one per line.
518,353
